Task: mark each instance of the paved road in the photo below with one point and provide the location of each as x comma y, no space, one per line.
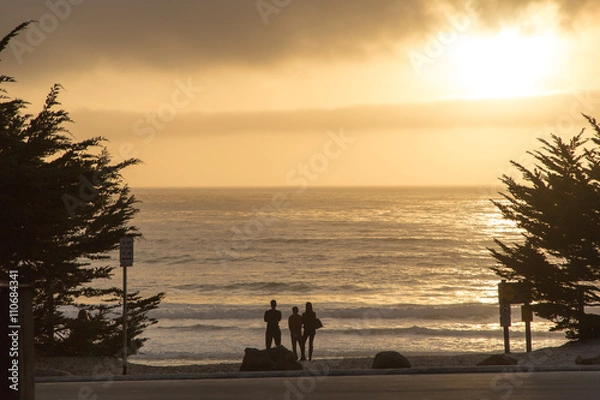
578,385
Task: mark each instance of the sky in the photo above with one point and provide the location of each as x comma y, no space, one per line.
212,93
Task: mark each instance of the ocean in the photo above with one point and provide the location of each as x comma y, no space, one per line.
405,269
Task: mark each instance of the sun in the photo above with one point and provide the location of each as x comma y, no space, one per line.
507,64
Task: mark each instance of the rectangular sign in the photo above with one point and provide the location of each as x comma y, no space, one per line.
505,319
513,293
126,251
526,313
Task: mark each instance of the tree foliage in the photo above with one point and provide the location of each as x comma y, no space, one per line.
557,206
63,206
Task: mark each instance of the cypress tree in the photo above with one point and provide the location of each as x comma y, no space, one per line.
63,207
556,204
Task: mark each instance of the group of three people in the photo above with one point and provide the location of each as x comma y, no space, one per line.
308,321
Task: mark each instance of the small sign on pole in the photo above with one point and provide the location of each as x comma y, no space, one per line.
126,260
126,252
505,315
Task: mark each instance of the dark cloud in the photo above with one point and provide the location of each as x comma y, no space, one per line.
198,34
210,32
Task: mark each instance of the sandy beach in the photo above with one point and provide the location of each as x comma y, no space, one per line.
556,356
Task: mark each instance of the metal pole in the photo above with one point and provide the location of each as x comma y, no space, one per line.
124,320
527,317
506,340
528,335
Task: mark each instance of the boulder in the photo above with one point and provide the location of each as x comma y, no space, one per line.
274,359
390,360
499,359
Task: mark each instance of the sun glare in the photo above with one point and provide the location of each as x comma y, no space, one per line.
507,64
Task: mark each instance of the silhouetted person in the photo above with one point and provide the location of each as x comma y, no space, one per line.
309,321
272,318
295,326
80,332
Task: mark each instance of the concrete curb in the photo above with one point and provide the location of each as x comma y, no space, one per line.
352,372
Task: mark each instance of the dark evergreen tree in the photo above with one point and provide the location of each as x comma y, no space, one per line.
63,206
557,206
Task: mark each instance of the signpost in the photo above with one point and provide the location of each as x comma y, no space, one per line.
505,322
527,317
515,293
126,260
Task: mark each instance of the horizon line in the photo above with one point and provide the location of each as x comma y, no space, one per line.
400,186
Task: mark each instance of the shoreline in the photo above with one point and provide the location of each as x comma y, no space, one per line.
564,355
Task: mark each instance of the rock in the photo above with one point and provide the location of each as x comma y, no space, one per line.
499,359
274,359
390,360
